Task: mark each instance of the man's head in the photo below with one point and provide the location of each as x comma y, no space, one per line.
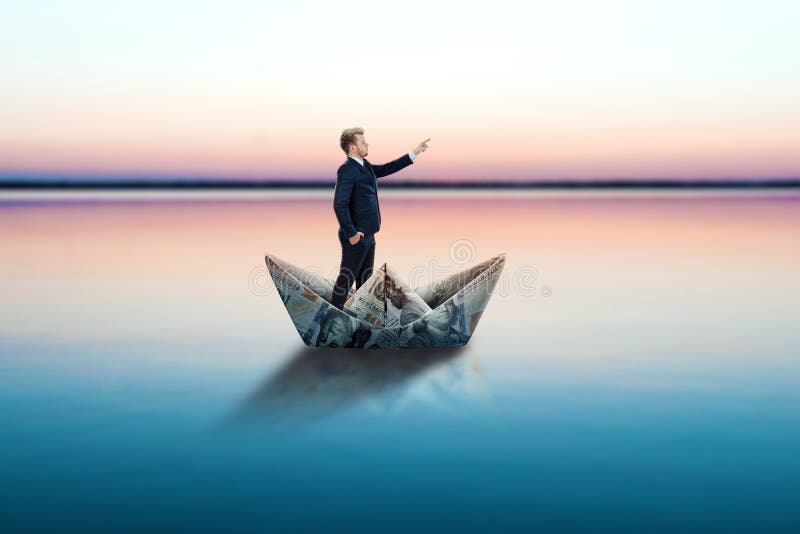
353,143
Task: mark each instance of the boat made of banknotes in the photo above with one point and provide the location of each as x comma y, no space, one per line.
384,312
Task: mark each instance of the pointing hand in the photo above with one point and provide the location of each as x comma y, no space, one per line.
422,147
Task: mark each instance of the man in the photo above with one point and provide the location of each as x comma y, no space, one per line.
355,202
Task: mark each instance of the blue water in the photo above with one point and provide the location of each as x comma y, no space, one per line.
640,395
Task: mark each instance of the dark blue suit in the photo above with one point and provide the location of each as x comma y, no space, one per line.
355,202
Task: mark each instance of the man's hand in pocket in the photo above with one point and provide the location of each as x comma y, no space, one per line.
356,238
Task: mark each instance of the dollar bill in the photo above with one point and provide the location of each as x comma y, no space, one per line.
384,312
403,304
368,303
439,291
315,282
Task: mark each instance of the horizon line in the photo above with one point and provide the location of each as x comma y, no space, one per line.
195,183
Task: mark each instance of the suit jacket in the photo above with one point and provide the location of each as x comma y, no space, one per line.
355,199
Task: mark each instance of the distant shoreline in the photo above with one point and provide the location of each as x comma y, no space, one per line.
99,185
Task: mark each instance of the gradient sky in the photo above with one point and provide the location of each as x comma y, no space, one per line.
506,90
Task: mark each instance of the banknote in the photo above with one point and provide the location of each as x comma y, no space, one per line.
478,292
301,301
439,291
368,303
403,304
384,312
314,281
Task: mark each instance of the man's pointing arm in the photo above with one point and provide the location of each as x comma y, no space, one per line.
404,161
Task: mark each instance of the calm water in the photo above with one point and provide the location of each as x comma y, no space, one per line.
637,369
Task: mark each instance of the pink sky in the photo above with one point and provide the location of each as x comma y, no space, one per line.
575,91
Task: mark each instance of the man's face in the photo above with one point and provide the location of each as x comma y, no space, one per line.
362,147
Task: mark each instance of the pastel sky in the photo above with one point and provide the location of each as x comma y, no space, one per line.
505,90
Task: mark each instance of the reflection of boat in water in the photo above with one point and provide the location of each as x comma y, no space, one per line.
384,312
318,383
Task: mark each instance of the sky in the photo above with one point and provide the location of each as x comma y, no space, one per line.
505,90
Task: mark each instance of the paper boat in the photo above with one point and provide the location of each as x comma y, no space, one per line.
384,312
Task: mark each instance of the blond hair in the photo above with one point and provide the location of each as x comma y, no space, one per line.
349,138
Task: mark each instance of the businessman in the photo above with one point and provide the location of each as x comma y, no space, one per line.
355,202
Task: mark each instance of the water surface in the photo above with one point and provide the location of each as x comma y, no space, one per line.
637,368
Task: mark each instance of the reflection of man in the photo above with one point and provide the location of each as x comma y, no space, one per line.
355,202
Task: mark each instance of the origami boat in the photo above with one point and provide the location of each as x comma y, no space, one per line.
384,312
